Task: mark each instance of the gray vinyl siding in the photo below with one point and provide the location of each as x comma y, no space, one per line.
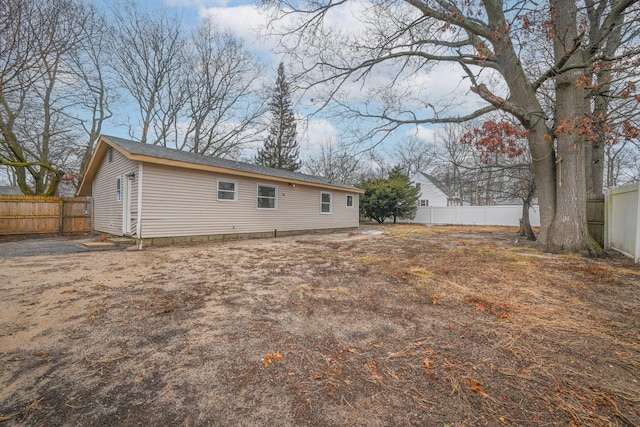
183,202
107,216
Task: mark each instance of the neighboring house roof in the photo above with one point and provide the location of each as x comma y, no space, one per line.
437,183
7,190
170,157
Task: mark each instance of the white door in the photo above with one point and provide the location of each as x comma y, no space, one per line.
126,206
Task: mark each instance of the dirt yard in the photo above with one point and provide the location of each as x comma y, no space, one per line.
388,326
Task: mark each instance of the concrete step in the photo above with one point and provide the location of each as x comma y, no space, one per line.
123,241
113,241
94,245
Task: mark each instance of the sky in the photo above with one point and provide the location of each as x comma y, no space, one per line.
245,19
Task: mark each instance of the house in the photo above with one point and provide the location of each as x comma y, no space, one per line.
160,195
433,193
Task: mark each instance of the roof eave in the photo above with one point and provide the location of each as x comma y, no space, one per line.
104,143
235,172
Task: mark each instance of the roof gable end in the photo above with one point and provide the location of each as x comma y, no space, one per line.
437,183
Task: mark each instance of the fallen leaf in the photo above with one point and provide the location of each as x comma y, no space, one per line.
477,387
376,375
267,360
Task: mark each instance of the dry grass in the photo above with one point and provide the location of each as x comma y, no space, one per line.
417,326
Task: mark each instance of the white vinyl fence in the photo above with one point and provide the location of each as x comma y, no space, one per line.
622,220
508,215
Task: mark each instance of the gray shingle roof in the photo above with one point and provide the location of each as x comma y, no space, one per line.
7,190
156,151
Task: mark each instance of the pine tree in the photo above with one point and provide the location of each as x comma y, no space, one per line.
280,149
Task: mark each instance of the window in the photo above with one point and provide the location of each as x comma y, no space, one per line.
227,190
418,185
110,154
325,203
267,197
424,203
118,189
349,201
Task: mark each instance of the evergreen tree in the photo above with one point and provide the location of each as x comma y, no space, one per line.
406,193
394,197
280,149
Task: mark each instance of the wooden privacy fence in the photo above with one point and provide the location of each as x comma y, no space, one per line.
595,218
44,215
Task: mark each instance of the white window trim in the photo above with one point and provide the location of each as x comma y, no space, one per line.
235,191
118,189
275,198
347,200
323,203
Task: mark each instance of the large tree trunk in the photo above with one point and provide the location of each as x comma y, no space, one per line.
543,157
568,230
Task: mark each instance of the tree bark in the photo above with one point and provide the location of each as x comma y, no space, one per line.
568,230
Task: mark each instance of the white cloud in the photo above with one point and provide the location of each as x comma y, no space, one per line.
423,133
196,3
246,22
316,133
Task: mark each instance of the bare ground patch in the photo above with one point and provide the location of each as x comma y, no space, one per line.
416,326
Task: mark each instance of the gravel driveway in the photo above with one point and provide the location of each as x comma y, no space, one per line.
49,246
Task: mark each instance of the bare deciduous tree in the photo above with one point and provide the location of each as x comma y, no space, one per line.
414,155
337,163
88,64
149,60
195,92
38,89
225,105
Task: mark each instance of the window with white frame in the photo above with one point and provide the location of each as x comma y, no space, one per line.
424,203
110,154
349,201
325,203
267,197
118,189
227,190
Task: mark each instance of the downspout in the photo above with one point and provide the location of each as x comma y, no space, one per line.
139,210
